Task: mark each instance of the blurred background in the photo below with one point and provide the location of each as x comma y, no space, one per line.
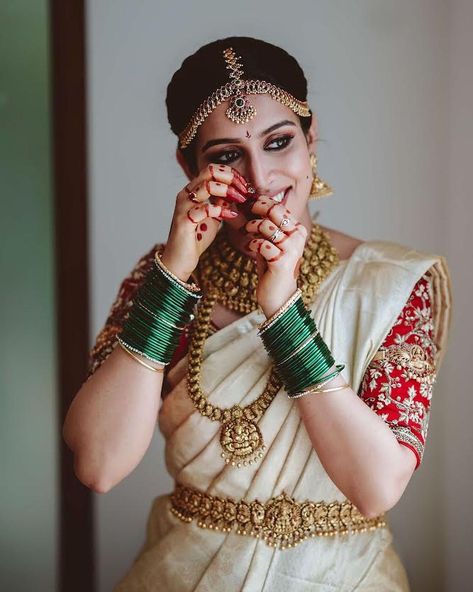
88,180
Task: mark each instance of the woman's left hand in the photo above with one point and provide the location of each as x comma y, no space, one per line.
278,262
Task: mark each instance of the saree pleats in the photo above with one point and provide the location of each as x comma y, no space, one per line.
354,310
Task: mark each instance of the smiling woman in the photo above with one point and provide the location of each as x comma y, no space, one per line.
290,366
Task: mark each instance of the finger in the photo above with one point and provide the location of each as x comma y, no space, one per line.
204,190
261,265
226,174
268,208
198,214
267,228
244,183
265,248
222,174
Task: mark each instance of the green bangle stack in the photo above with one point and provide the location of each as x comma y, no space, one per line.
163,306
301,356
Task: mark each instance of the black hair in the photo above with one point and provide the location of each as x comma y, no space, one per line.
205,70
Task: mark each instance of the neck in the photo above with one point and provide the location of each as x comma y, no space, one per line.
238,240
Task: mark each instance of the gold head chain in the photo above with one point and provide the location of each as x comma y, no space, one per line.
240,109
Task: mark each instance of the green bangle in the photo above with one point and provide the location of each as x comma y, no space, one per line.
163,306
301,356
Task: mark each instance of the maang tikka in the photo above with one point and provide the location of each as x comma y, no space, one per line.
235,91
319,187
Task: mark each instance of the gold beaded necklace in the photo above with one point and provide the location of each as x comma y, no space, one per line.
229,277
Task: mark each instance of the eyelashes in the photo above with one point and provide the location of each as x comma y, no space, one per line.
225,157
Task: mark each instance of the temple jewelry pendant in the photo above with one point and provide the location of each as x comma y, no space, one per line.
241,440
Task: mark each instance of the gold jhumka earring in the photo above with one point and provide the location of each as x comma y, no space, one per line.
319,187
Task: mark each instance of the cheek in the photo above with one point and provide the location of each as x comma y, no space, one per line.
303,176
299,167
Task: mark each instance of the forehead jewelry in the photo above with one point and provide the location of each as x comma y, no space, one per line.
235,91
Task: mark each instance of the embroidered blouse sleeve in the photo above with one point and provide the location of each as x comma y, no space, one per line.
399,380
105,341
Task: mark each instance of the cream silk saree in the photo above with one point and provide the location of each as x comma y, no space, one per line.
354,310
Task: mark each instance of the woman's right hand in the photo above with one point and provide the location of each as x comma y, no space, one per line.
200,209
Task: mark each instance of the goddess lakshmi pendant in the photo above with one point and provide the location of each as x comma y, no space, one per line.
241,440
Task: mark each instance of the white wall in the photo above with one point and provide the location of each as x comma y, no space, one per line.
390,82
456,454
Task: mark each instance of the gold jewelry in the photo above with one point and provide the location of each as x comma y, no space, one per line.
317,390
281,521
240,110
235,277
240,436
319,187
161,370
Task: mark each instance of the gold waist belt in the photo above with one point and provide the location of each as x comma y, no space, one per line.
281,521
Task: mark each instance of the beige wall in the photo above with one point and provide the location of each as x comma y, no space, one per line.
391,84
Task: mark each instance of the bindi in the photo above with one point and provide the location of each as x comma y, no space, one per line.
248,135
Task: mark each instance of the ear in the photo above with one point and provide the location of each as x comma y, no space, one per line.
183,164
312,135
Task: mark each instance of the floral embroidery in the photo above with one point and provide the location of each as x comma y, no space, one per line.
399,380
106,341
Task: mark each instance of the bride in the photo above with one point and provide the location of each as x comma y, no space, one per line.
289,366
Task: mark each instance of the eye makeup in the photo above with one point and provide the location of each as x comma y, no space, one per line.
222,157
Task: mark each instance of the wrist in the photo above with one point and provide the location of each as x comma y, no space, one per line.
175,267
270,306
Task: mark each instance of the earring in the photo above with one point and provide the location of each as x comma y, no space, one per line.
319,187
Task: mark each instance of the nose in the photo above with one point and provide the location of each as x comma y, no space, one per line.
258,173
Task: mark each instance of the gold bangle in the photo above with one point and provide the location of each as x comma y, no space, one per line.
314,391
160,370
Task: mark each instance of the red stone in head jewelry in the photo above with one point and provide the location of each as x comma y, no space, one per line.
240,109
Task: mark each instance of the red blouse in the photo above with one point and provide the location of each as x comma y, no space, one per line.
397,384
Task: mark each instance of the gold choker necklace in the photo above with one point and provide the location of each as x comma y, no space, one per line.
232,274
230,277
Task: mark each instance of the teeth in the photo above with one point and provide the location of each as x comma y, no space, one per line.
279,196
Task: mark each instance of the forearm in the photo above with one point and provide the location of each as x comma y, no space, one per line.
356,447
111,420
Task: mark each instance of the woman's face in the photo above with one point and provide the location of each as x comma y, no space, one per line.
271,151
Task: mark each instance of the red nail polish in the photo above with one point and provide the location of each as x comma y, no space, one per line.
235,194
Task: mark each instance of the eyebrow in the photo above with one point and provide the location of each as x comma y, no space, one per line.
270,129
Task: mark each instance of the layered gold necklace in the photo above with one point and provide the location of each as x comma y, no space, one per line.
229,277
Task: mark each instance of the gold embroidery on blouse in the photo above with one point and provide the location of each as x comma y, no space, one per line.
416,361
105,342
411,358
281,521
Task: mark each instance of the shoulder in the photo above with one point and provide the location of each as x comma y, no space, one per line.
344,243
